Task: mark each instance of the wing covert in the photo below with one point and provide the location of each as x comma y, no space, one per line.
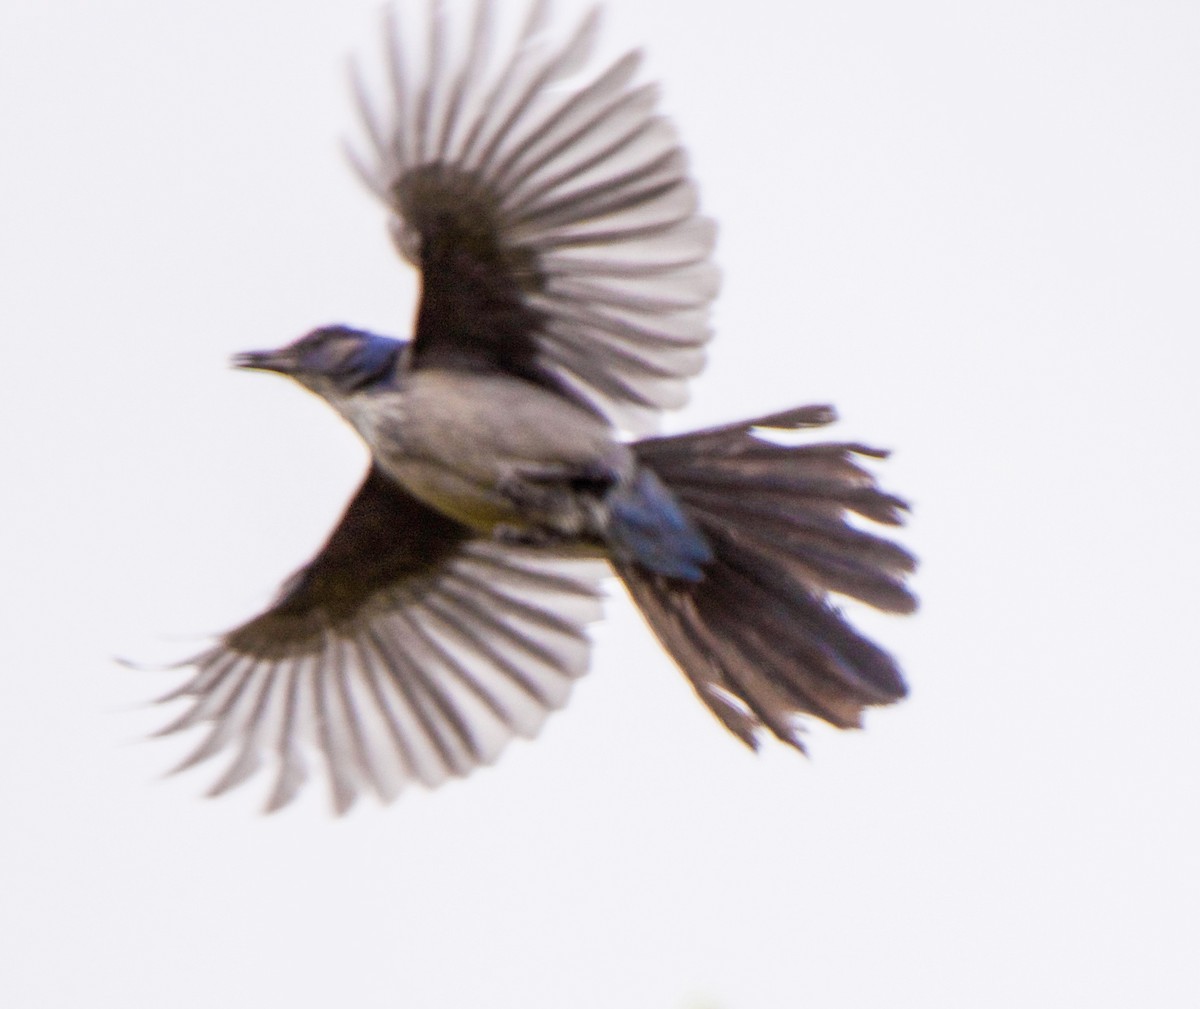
550,212
405,651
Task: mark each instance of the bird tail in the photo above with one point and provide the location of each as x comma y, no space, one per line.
757,635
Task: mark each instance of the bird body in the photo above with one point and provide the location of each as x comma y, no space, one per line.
503,456
566,279
498,451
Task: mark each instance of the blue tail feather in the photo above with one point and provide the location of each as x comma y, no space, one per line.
648,526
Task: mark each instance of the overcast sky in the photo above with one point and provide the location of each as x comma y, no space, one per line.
973,226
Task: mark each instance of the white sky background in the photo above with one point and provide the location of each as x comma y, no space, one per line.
973,226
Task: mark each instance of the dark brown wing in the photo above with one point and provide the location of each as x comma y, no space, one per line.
385,537
554,223
405,651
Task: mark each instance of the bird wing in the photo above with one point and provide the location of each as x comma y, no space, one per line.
552,217
406,650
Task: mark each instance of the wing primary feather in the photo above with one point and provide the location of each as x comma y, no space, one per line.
224,721
639,100
471,67
607,321
369,177
340,764
602,199
615,77
368,114
210,666
576,49
354,723
614,296
433,75
211,699
249,757
520,607
470,605
575,361
444,711
401,746
672,362
611,236
535,22
293,771
503,81
405,682
466,633
533,577
396,76
452,664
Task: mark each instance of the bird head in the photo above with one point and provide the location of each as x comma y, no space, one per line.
333,361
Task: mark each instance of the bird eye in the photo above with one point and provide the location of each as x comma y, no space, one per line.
328,354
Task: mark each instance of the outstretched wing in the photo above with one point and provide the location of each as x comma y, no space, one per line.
407,650
551,215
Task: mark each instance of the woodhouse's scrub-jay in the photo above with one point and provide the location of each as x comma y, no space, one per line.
566,279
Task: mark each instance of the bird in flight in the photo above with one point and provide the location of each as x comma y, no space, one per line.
566,278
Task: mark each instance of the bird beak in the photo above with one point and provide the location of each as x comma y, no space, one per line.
281,361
